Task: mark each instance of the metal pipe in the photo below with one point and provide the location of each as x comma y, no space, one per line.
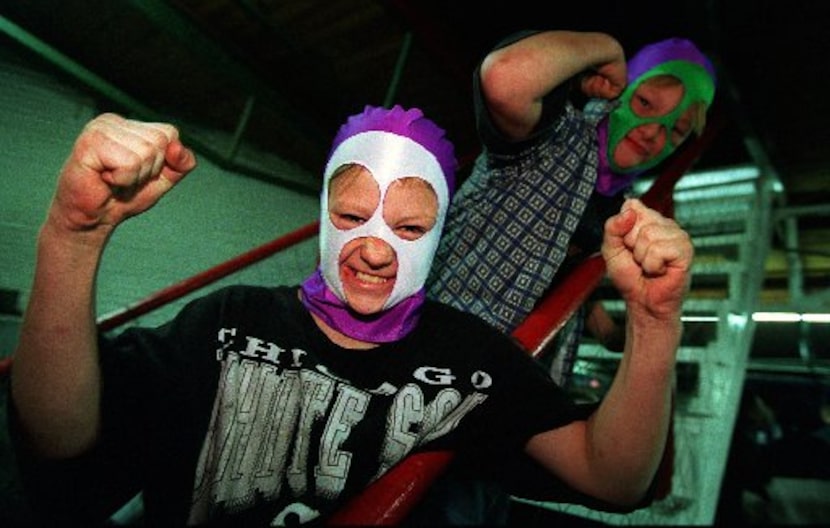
132,105
392,91
804,210
241,126
66,64
180,289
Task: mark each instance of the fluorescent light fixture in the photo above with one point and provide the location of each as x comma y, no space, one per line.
699,319
762,317
790,317
776,317
691,180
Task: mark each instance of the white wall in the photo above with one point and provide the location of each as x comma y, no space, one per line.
211,216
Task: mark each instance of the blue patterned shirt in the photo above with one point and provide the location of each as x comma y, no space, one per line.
509,226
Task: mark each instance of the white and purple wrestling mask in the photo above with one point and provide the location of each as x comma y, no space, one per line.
391,144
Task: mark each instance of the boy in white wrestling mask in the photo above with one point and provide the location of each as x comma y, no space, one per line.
375,255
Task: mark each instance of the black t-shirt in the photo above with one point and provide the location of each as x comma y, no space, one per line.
240,410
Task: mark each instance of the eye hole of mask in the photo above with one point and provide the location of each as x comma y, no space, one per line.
410,207
353,196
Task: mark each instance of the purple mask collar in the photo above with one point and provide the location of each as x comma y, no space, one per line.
385,327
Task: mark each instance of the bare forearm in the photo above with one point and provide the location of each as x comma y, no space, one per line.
629,430
516,78
55,379
615,454
118,168
556,56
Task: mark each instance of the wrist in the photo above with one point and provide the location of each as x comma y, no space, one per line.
71,249
664,330
56,230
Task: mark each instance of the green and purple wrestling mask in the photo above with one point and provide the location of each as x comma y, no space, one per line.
678,58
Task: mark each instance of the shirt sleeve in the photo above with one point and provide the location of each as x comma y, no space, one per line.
521,398
530,402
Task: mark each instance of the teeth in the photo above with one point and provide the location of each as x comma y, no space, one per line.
365,277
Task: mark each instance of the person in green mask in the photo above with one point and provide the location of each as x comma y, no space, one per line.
566,124
670,87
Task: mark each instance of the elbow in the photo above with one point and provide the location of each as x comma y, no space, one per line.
48,434
509,100
501,80
630,483
633,499
622,501
634,494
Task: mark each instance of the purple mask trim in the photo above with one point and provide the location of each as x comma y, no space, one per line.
667,50
609,183
385,327
408,123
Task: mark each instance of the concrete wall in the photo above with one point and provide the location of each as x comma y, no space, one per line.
212,216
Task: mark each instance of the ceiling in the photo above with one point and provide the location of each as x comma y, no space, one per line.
292,70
